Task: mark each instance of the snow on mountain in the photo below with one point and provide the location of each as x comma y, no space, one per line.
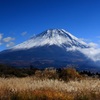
58,37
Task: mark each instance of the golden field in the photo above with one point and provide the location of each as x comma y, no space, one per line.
30,88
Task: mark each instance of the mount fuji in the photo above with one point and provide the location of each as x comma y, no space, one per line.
51,48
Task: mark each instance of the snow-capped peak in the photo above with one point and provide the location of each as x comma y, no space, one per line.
58,37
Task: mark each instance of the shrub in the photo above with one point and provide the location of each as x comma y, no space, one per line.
47,73
69,74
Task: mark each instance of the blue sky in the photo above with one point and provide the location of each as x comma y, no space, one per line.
21,19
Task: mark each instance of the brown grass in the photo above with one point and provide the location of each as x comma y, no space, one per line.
33,89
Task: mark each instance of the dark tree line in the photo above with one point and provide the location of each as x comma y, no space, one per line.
10,71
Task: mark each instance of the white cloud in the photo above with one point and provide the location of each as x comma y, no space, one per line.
1,36
92,52
85,40
8,39
91,44
0,43
23,33
10,44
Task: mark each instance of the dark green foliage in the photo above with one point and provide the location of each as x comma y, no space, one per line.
89,74
8,71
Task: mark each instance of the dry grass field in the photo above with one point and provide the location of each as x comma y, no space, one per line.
29,88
